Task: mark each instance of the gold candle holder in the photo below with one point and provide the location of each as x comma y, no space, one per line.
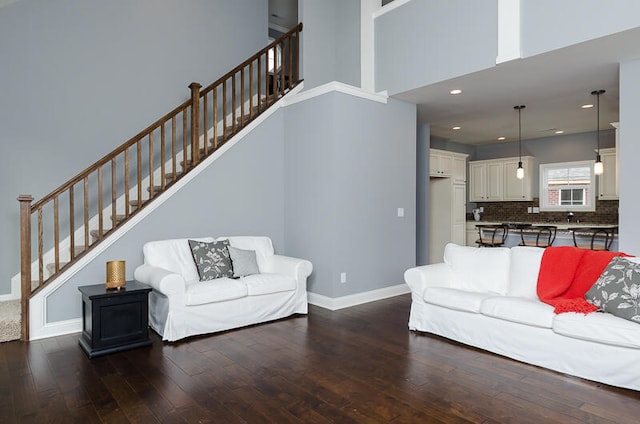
115,275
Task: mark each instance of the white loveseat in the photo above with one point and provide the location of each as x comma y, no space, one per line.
487,298
180,305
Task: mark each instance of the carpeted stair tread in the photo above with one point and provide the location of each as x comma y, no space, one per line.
169,176
52,267
95,234
10,320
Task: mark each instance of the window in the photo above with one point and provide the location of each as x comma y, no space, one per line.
567,186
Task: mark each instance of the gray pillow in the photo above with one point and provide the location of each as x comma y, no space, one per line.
212,259
617,290
244,262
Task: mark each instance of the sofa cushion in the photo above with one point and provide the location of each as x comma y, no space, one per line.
244,262
478,269
519,309
460,300
218,290
598,327
262,246
523,272
617,290
173,255
259,284
212,259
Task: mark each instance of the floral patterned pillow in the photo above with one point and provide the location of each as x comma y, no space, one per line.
617,290
212,259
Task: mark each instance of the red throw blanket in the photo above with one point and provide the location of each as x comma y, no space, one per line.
567,273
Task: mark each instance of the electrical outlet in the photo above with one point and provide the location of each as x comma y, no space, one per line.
481,209
343,277
400,212
536,209
529,209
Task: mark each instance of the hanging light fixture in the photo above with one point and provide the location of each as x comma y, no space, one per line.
520,170
598,168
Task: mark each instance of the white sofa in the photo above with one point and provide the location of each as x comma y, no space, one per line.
180,305
486,297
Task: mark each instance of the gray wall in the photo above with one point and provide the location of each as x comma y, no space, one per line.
422,193
350,164
629,172
242,193
423,42
551,24
332,36
452,146
79,78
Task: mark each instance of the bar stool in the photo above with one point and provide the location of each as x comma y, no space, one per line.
544,235
491,235
593,238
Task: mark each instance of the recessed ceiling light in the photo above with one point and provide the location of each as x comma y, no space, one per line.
456,128
456,91
587,106
559,132
502,138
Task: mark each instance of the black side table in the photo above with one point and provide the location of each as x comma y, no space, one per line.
114,320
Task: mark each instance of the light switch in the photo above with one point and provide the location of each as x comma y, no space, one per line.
400,212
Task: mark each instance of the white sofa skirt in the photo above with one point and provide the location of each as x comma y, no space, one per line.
609,364
182,321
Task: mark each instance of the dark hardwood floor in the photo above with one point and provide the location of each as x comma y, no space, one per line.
356,365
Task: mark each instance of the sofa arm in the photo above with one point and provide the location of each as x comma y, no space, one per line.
421,277
299,269
166,282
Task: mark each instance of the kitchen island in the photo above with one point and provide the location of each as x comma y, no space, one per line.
564,235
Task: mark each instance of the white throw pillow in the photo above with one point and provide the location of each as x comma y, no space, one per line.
262,245
523,273
173,255
484,269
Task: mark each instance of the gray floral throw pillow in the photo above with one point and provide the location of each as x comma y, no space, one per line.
212,259
617,290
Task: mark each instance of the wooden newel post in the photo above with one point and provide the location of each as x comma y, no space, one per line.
195,122
25,261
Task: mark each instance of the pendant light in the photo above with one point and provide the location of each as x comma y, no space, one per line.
598,168
520,170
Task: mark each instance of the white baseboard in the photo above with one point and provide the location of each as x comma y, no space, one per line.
335,303
59,328
53,329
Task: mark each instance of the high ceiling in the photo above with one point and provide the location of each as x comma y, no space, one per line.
552,86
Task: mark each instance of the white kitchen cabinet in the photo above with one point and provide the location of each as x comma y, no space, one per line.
495,180
608,181
459,169
459,214
440,163
486,181
515,189
495,183
446,164
447,201
447,216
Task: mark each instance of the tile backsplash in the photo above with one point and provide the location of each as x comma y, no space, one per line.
606,213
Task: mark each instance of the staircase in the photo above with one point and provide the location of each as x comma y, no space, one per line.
80,214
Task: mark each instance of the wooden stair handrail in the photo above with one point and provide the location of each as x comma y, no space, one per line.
190,119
